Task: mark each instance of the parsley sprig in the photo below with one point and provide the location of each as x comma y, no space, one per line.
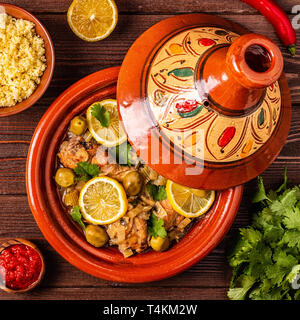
266,256
101,114
76,216
85,171
158,193
156,227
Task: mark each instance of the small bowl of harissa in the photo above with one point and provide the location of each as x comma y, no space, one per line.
26,59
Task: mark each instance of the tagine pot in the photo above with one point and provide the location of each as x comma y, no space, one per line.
204,102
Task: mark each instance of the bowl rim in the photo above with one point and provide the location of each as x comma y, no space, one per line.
67,239
9,111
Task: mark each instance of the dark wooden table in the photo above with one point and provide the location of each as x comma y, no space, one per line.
209,279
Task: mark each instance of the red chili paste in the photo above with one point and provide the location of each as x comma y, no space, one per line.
20,266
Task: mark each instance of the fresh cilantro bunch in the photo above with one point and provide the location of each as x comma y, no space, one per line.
266,257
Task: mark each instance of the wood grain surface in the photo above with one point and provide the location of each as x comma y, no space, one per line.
209,279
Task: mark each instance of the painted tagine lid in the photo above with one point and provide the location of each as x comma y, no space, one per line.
204,102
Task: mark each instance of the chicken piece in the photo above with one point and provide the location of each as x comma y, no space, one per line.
137,238
165,211
148,201
130,233
116,171
92,149
101,157
160,181
73,151
184,223
139,209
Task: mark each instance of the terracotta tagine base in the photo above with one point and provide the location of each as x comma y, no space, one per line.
66,236
212,103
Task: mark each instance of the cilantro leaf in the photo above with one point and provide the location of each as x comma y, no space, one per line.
161,193
283,259
260,195
157,227
291,238
292,220
297,295
158,193
76,216
293,274
151,189
244,284
85,171
273,233
101,114
275,273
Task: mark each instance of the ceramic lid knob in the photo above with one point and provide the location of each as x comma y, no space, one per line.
254,61
233,78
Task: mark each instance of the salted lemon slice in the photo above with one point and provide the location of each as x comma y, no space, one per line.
112,135
92,20
189,202
102,200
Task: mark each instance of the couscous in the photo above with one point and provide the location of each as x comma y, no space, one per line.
22,60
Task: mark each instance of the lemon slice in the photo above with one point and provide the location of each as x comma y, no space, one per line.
102,200
114,134
92,20
189,202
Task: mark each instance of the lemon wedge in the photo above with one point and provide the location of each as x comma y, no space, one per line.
92,20
189,202
112,135
102,201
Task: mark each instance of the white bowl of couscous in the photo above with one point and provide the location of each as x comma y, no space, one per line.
26,59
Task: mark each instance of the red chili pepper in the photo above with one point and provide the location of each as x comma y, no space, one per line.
226,137
280,21
206,42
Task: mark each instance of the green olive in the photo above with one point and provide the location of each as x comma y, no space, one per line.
64,177
78,125
159,243
132,183
96,236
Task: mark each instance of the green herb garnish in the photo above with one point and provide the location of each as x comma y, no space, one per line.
158,193
76,216
101,114
266,257
156,227
85,171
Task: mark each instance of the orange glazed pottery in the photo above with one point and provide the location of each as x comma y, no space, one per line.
46,78
66,236
212,103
